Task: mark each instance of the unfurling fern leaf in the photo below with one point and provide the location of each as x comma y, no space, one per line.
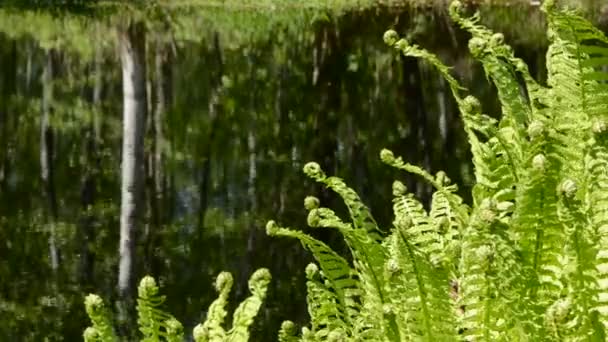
288,332
420,293
211,330
152,319
175,330
335,269
364,242
101,330
248,309
325,316
157,325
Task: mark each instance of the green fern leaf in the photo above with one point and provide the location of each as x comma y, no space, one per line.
248,309
102,330
335,269
151,318
211,330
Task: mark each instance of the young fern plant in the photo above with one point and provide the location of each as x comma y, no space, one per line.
157,325
528,259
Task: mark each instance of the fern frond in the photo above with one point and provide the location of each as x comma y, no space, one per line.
322,306
335,269
491,278
287,333
479,128
175,330
211,330
503,68
101,330
576,61
582,274
419,285
248,309
536,223
449,221
391,38
447,208
150,316
360,214
416,225
364,243
597,198
369,258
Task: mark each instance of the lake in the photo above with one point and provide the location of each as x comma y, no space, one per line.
239,99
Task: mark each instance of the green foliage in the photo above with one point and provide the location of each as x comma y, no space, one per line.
101,330
157,325
212,331
153,321
528,259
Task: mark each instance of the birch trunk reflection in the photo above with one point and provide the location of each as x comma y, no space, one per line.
132,53
47,152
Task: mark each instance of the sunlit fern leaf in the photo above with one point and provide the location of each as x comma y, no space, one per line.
211,330
368,258
288,332
449,223
364,242
582,53
419,285
335,269
101,330
389,158
491,286
416,226
581,272
535,221
501,66
322,306
392,39
248,309
151,318
475,123
577,62
360,214
175,330
597,198
446,205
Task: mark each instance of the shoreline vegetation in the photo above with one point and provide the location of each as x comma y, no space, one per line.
233,19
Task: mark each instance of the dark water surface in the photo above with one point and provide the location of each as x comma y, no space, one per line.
237,107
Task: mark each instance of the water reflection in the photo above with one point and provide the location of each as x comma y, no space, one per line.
233,114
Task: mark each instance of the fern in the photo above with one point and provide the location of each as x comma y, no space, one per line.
211,329
156,325
101,330
528,260
152,319
336,270
248,309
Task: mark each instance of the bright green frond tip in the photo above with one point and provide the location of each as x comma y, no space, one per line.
313,170
311,202
155,324
147,287
102,329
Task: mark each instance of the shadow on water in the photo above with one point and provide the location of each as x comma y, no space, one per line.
238,103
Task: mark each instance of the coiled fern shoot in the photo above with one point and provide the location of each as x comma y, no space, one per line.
155,324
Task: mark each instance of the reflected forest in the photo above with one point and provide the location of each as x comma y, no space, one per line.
159,137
